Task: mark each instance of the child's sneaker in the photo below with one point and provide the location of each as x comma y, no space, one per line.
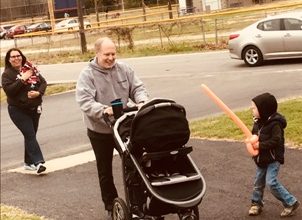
30,167
40,168
289,211
255,210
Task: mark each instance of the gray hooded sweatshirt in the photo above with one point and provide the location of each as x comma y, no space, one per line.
97,87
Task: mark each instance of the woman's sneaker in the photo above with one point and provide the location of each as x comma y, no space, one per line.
109,215
30,167
289,211
40,168
255,210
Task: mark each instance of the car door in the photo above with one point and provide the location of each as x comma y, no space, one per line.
72,24
40,27
293,35
270,38
19,30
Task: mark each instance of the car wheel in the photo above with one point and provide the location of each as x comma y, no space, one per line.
252,56
88,26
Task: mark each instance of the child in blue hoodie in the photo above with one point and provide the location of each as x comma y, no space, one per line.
269,126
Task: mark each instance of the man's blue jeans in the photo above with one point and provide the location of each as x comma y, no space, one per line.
27,122
268,176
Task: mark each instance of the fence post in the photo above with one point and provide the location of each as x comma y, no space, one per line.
48,42
15,42
202,30
161,40
144,10
170,9
216,32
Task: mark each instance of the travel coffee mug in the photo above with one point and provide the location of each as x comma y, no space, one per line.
117,107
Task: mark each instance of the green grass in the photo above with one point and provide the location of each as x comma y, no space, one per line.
59,88
52,89
222,127
14,213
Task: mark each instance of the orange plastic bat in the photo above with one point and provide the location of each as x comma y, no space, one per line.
235,118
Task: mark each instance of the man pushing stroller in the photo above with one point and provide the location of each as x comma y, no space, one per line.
104,80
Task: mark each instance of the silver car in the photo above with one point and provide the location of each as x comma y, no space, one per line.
275,37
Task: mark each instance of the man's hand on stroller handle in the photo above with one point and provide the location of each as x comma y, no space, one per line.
139,105
136,107
108,111
108,114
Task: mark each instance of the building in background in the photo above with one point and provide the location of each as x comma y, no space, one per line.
66,7
212,5
18,9
240,3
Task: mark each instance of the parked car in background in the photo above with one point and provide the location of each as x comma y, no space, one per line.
275,37
15,30
39,27
3,30
70,24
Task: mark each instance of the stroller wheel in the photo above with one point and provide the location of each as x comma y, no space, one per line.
196,212
120,210
191,214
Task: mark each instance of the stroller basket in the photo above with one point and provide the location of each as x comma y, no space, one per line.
163,181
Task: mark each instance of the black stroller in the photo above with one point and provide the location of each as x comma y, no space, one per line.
160,177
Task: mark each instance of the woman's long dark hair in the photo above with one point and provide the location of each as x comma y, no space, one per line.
7,57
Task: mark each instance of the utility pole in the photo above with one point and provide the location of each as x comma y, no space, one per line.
81,27
97,11
51,15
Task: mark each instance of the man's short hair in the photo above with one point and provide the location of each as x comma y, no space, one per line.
99,42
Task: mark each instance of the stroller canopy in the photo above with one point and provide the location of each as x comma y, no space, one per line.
160,125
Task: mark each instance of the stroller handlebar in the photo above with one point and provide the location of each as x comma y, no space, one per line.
110,120
130,109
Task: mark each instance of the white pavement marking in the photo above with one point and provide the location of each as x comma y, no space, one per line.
62,163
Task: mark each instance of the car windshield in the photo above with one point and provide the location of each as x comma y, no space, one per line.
34,25
13,28
72,21
7,27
